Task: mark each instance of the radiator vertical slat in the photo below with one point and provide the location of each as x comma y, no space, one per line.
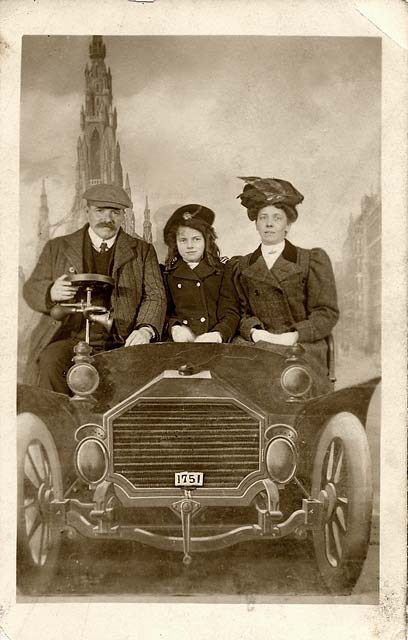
155,438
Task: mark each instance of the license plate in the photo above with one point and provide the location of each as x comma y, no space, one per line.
188,479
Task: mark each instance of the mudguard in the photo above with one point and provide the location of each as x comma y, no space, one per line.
314,415
60,417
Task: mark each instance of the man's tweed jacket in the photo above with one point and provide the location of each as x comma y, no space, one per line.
138,297
298,293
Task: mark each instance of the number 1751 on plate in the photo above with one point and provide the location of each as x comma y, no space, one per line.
188,479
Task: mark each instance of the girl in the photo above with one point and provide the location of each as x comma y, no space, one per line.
201,297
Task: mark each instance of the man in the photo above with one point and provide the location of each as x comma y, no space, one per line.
138,301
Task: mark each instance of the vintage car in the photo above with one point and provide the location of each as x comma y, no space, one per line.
192,448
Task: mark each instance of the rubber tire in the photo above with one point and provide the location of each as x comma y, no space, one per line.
345,428
31,575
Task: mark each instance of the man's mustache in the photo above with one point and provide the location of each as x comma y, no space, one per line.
110,225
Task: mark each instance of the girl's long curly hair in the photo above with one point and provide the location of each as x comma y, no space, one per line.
211,250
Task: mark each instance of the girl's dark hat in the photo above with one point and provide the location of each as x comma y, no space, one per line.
190,215
261,192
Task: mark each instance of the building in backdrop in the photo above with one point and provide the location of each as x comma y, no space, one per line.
358,277
98,149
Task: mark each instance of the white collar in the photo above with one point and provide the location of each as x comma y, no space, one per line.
192,265
273,249
97,240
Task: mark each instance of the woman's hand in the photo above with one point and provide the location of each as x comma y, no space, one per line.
286,339
179,333
211,336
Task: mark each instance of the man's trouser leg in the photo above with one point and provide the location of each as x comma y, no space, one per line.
54,363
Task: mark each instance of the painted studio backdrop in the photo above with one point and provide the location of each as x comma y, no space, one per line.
177,119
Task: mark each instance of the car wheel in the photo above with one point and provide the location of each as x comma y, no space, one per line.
341,478
39,482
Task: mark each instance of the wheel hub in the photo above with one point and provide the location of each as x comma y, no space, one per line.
328,496
45,496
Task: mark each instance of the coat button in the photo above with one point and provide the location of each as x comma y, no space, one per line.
185,321
179,285
202,319
198,284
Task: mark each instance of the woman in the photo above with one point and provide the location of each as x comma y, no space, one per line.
201,303
287,294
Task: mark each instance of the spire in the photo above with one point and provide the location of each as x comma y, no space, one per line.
98,151
97,49
147,225
82,118
129,223
43,232
127,186
118,178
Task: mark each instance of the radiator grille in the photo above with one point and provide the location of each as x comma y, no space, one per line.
155,438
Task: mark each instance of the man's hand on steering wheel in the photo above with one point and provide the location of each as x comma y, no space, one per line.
62,290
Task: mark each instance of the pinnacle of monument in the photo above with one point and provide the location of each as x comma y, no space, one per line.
43,198
82,118
97,49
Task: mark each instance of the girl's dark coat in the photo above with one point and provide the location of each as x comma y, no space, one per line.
202,299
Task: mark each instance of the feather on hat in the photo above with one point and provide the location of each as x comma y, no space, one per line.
261,192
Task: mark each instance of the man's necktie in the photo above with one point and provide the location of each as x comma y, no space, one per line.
103,247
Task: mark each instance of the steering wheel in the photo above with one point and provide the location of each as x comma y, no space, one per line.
89,286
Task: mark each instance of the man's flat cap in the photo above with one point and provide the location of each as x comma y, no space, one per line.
107,195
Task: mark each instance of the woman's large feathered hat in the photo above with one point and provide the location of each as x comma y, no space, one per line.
261,192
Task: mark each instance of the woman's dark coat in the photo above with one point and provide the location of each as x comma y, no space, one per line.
297,294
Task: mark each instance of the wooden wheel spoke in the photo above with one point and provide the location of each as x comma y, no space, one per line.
34,526
30,487
34,468
43,542
40,457
338,465
340,515
48,472
330,544
329,469
30,503
337,539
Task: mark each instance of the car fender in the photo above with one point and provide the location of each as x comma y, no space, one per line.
317,411
59,415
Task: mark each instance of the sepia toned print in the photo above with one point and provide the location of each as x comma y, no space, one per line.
284,498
